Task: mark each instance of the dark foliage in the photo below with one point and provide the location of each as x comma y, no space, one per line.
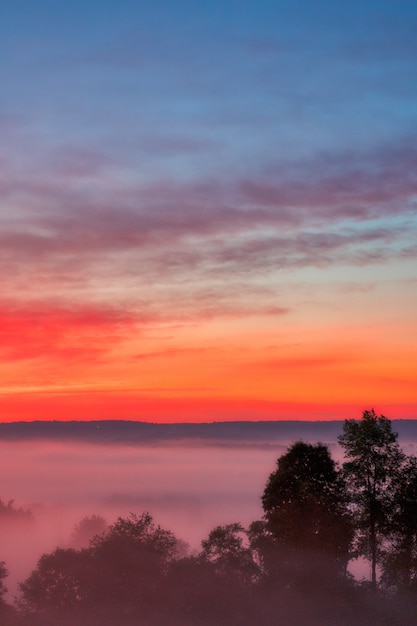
86,530
119,575
306,515
10,514
372,470
3,576
399,558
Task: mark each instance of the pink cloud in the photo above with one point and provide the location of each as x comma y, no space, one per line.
77,227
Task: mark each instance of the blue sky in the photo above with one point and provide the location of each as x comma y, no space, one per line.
247,81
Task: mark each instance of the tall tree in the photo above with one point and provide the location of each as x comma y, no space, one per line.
400,557
8,614
3,576
373,462
306,514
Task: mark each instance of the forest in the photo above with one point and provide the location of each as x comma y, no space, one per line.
290,567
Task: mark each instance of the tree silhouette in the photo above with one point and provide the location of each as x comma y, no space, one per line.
227,548
10,514
8,615
59,586
120,576
86,529
3,576
372,468
306,514
399,561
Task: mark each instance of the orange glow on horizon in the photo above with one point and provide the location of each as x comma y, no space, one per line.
92,364
130,406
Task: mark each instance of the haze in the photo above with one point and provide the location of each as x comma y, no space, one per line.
188,485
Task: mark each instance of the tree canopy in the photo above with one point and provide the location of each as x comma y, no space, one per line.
371,469
305,508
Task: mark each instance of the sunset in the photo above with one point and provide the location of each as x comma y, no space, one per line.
208,211
208,313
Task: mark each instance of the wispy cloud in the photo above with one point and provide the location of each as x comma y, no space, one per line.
109,215
79,230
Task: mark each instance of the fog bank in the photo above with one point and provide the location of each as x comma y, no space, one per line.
188,485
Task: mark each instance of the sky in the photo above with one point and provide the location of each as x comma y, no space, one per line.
208,210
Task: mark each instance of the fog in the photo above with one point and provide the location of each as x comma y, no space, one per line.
188,486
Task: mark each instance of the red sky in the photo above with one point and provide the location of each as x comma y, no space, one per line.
207,214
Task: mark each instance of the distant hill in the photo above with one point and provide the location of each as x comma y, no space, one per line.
124,432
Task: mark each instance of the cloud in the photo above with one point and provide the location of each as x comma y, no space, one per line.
334,187
81,226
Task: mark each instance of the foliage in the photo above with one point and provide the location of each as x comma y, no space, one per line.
399,560
305,512
9,513
227,548
3,576
372,469
140,531
121,573
86,529
58,584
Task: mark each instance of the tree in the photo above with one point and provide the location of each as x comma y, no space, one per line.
10,514
305,512
373,461
399,561
130,563
119,577
58,587
227,548
3,576
85,530
141,531
8,615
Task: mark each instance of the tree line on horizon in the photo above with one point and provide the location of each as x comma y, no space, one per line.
289,567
